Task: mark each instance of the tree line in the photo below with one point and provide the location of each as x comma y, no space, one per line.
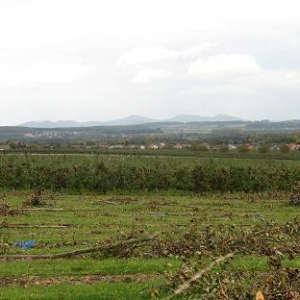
101,177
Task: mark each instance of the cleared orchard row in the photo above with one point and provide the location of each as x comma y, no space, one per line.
190,231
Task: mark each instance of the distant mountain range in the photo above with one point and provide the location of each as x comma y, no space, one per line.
173,129
131,120
196,118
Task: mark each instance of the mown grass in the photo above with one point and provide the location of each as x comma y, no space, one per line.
113,266
101,291
105,219
87,266
94,219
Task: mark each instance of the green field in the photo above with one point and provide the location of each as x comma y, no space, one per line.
143,244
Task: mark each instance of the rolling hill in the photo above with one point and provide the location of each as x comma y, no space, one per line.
131,120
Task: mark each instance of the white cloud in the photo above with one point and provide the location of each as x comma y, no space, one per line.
223,66
43,72
144,55
285,78
47,48
147,75
287,81
34,23
196,50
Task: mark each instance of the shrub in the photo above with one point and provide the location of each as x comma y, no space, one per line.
295,194
263,148
243,148
284,148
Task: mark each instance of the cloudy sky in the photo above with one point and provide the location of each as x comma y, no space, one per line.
106,59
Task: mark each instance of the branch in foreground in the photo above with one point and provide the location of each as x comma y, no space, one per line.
187,284
80,251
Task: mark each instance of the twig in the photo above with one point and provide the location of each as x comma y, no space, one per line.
176,205
186,285
43,209
35,226
284,291
80,251
111,202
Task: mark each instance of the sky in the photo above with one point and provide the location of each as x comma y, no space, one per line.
99,60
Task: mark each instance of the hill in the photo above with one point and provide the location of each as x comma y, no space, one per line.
165,130
197,118
131,120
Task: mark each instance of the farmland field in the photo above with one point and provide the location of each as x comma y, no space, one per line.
144,242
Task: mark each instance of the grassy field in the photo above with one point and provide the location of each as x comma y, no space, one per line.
138,227
262,231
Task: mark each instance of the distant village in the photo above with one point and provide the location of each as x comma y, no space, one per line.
193,146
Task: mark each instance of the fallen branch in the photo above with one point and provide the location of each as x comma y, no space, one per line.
78,279
202,225
78,252
176,205
187,284
35,226
111,202
231,225
59,209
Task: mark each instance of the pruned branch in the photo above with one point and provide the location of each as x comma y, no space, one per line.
26,225
187,284
80,251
